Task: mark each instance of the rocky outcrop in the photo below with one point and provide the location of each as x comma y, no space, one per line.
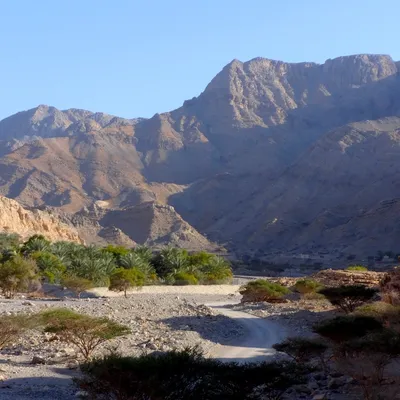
15,219
330,277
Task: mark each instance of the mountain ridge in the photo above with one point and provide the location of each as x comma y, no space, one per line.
242,154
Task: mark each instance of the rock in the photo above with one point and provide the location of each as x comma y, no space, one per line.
2,378
81,394
320,396
38,360
74,364
334,383
27,303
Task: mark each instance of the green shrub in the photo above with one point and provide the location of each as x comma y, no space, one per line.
123,279
302,349
215,271
35,243
348,327
186,375
386,313
184,278
9,241
306,286
16,275
76,284
262,290
348,298
83,331
356,268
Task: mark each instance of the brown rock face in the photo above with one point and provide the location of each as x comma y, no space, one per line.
14,218
272,156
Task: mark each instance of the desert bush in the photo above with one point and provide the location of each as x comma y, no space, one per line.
76,284
123,279
11,328
302,349
348,298
386,313
356,268
347,327
306,286
366,360
184,278
16,275
83,331
390,287
186,375
263,290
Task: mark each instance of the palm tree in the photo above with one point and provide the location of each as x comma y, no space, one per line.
135,260
35,243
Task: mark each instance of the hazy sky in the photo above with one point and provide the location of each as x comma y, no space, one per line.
134,58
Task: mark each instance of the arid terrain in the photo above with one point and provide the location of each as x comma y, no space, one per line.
270,157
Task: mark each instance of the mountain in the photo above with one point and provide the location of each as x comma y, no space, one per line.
14,218
271,156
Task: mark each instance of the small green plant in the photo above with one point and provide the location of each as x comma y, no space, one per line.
50,266
123,279
357,268
184,278
76,284
263,290
16,275
83,331
306,286
348,298
347,327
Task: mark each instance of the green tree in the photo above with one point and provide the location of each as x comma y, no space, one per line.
77,284
123,279
135,260
16,275
50,266
170,261
36,243
348,298
83,331
216,271
184,278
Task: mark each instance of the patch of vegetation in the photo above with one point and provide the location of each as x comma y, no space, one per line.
17,275
76,284
187,375
123,279
11,328
348,327
348,298
184,278
262,290
359,268
83,331
306,286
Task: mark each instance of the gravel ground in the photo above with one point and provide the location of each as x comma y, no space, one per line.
159,322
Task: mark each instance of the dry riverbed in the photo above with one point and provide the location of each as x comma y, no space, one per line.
39,367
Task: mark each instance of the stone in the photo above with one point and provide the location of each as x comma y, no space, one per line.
320,396
38,360
27,303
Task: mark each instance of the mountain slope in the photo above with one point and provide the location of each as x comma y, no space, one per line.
271,155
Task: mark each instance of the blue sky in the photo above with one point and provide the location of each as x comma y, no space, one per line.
134,58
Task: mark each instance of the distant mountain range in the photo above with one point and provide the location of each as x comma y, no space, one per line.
271,157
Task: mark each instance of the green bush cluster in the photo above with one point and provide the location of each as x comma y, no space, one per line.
80,267
263,290
359,268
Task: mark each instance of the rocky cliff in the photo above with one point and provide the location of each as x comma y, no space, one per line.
16,219
272,156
